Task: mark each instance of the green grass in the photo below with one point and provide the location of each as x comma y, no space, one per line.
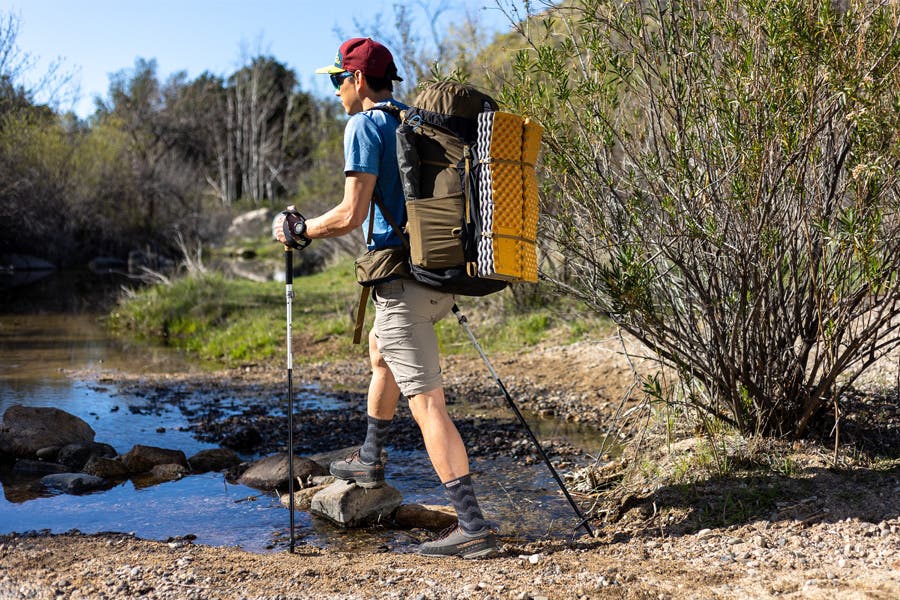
230,322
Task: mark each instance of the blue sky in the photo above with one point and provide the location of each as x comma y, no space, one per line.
95,38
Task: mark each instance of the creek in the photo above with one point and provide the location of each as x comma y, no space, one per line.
54,351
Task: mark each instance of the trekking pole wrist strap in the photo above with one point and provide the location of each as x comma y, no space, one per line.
295,229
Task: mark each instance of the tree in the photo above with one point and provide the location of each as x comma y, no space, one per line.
723,181
266,117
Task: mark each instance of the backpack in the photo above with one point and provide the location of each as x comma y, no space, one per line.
467,171
470,191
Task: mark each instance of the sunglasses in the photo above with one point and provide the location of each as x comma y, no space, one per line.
337,79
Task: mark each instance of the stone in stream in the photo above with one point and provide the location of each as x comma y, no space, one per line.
27,429
73,483
302,498
214,459
348,505
108,468
424,516
271,472
49,453
141,459
169,472
75,456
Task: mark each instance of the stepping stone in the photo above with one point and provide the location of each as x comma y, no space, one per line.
348,505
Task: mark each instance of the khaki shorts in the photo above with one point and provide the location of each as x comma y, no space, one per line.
405,314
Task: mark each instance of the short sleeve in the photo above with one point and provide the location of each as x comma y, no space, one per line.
362,145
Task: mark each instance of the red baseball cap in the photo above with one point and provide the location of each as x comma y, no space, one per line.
366,55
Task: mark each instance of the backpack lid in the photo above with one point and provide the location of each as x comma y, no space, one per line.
457,99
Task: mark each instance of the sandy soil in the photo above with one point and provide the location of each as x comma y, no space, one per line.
810,527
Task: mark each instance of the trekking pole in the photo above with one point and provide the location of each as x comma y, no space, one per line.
583,520
289,296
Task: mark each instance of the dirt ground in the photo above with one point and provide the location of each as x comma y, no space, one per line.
807,527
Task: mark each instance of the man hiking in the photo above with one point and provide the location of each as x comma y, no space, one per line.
403,347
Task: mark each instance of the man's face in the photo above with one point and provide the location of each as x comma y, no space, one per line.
348,92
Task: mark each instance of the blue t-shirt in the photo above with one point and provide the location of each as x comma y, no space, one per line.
370,146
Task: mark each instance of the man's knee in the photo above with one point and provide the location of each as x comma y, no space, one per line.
428,405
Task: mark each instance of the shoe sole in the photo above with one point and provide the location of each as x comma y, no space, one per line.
483,552
480,553
369,485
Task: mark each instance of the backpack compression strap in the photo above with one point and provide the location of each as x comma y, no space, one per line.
364,294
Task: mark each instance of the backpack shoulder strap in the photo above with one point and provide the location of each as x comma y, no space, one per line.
391,109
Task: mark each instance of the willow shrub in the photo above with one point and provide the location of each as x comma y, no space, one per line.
722,180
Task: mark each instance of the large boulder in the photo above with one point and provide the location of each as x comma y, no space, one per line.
141,459
271,472
348,505
27,429
213,459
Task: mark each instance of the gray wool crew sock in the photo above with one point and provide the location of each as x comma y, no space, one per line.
376,435
462,496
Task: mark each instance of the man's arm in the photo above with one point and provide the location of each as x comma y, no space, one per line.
343,218
350,213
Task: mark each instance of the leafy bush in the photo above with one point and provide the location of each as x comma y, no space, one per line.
722,180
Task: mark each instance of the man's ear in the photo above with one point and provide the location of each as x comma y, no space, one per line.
360,80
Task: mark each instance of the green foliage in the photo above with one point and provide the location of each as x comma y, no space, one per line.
721,180
232,322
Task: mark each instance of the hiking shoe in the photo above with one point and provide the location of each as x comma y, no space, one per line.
456,542
362,474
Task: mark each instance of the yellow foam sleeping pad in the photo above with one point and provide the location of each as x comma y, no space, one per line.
507,148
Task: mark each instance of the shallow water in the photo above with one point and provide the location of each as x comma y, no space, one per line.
52,328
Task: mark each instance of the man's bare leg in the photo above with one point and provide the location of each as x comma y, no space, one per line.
448,455
383,389
381,404
365,466
442,440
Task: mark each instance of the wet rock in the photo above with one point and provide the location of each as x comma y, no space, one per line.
108,468
75,456
245,438
49,453
169,472
271,472
73,483
27,429
141,459
349,505
214,459
302,498
38,467
434,517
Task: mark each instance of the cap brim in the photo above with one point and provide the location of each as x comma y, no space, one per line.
330,70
